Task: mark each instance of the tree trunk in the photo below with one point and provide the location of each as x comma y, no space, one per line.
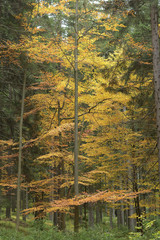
156,70
98,213
61,221
20,154
122,213
136,201
118,218
80,214
13,201
131,210
55,219
8,212
90,215
24,203
85,215
138,214
111,217
126,218
76,189
8,206
61,192
131,221
76,218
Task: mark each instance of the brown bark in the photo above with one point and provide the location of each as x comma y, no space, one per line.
156,70
90,215
76,188
20,154
98,213
8,206
111,217
60,216
85,214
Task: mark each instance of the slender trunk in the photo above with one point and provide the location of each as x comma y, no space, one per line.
55,219
20,154
90,215
8,199
131,221
80,214
118,218
76,189
55,192
122,206
39,214
138,214
26,200
156,204
76,218
122,213
98,213
136,201
131,210
85,215
24,203
8,212
13,201
126,218
8,206
76,104
111,217
156,70
61,216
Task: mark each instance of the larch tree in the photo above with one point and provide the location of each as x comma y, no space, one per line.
90,63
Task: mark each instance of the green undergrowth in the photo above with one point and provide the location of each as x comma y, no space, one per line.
39,231
52,234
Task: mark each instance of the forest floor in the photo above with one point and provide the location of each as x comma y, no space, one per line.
39,231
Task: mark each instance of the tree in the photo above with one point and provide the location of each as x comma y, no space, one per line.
156,70
20,153
76,189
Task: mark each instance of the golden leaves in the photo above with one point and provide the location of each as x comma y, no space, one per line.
9,156
65,204
6,142
60,129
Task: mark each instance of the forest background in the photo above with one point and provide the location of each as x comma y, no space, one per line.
80,120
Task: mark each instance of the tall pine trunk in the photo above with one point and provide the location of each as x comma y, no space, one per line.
156,70
76,189
20,154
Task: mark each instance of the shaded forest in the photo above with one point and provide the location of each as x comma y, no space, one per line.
80,115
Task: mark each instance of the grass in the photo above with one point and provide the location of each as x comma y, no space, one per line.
52,234
33,231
